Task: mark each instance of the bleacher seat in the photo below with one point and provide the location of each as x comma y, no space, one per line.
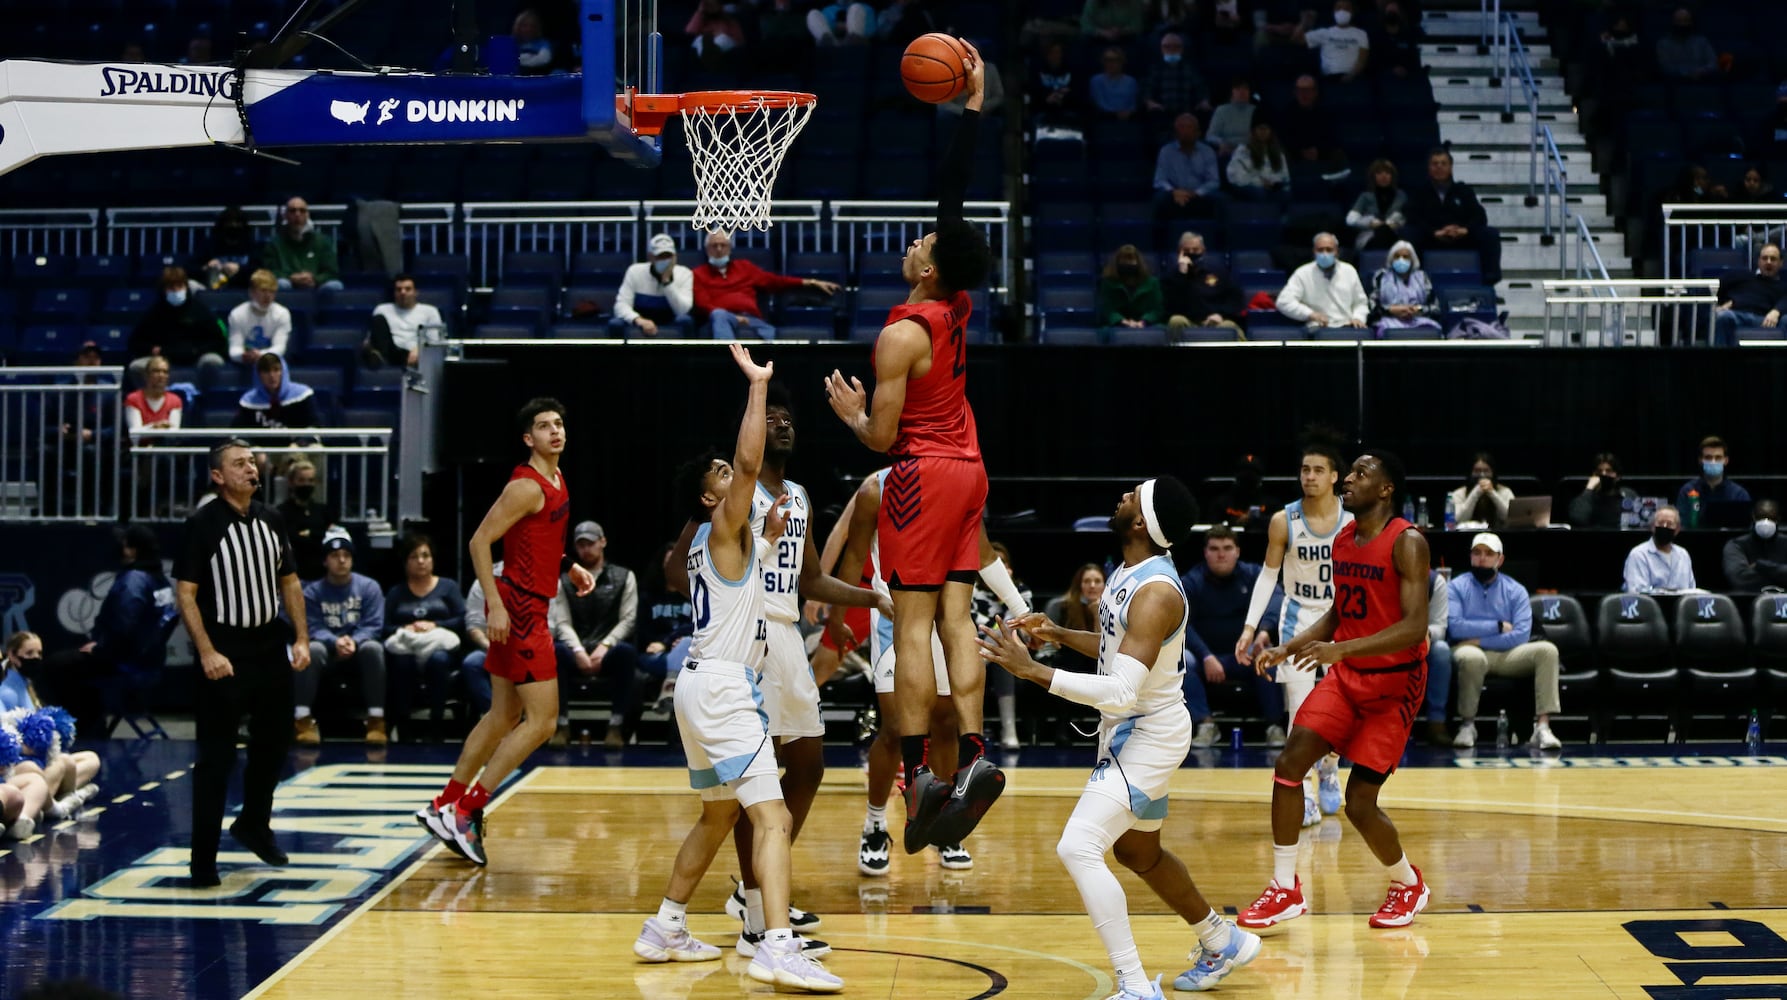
379,387
1450,268
533,270
1768,637
69,304
507,331
113,340
529,306
1634,645
608,265
1066,335
589,302
334,343
50,344
1713,653
1560,620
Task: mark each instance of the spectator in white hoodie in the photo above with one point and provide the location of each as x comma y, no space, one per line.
260,325
655,294
1326,292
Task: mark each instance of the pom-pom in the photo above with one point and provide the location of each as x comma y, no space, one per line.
37,732
10,752
64,724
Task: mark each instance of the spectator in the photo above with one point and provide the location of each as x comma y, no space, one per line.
477,680
1326,292
1757,559
179,328
1282,22
1077,609
1482,499
1198,294
299,254
1686,54
1445,214
603,621
666,620
1115,94
717,33
128,635
846,23
260,325
901,21
1307,133
153,405
1226,23
1723,503
1489,623
1231,124
726,291
398,328
1174,84
424,615
1397,47
1603,502
1750,299
1245,504
1217,593
198,51
1345,49
308,517
533,50
1057,95
1186,181
1439,661
1380,211
656,293
1128,296
1113,20
225,263
992,91
346,615
1259,170
1401,293
276,401
1756,189
1657,564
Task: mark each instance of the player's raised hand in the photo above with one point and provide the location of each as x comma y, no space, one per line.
1038,625
753,371
848,399
775,521
977,70
1002,646
1266,659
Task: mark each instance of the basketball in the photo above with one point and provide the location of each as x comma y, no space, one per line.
935,67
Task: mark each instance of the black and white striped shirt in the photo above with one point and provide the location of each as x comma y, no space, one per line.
237,561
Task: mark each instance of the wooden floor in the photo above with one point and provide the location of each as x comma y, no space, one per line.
1555,883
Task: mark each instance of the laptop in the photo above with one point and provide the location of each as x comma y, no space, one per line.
1528,512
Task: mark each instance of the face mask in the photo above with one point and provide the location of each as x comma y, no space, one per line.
304,493
1324,260
1392,21
1343,17
1171,58
1610,484
1765,529
1484,574
720,261
1699,190
1681,30
177,297
1129,270
1402,265
660,266
1662,536
1712,470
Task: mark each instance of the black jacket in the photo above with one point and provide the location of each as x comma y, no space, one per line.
1202,291
1753,293
183,332
1428,212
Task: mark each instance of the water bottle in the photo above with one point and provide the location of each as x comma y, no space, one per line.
1753,735
1421,512
1501,730
1408,509
1451,514
1691,512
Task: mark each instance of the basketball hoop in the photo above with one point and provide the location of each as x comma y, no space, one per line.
737,139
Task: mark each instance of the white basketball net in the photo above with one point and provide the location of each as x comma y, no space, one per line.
738,150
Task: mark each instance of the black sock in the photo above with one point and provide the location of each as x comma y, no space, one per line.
971,748
913,751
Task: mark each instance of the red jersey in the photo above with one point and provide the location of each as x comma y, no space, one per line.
534,546
937,421
1368,592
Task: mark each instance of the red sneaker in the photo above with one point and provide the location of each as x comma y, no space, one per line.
1275,906
1402,903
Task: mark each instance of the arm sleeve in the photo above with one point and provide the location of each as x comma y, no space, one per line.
629,612
1437,603
174,417
1209,179
558,619
133,418
1194,591
998,580
1500,497
474,608
1460,627
623,298
1241,172
1264,586
958,167
1162,182
1361,302
1112,692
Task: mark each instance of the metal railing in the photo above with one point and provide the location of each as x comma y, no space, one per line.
881,227
797,226
427,227
1589,264
1628,312
1687,228
566,228
61,435
58,231
171,467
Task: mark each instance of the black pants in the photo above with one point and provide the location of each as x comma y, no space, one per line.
261,689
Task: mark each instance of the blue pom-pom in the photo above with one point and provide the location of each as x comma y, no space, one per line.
64,724
10,752
38,732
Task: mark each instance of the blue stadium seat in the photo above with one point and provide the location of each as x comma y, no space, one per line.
50,344
827,266
377,387
113,339
533,270
608,265
370,416
507,331
134,300
103,271
327,379
1072,336
523,305
61,304
1148,336
1459,301
588,302
36,268
1452,267
454,267
335,344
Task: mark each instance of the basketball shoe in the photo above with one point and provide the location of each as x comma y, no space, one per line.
431,820
1152,994
977,787
1327,772
1211,967
1275,906
660,942
468,832
750,943
955,857
872,855
1401,903
925,798
798,918
785,966
1312,813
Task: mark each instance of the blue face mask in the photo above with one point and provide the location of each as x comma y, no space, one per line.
1171,58
1712,470
720,261
177,297
1325,261
660,266
1402,265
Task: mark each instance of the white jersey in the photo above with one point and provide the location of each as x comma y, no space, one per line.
1308,571
781,569
1161,690
874,568
728,613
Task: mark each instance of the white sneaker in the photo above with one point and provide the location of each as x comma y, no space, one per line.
1545,739
750,944
798,918
1206,736
955,857
872,854
660,942
1467,736
87,791
22,828
1275,736
785,966
1312,812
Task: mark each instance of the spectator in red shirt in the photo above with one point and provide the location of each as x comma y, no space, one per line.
726,291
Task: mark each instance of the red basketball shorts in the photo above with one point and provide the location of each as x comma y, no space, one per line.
929,524
527,655
1366,716
857,621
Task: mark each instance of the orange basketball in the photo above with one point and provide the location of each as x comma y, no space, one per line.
935,67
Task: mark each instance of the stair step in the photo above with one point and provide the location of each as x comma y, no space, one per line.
1470,23
1464,94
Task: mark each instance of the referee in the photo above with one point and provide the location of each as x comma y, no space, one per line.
232,574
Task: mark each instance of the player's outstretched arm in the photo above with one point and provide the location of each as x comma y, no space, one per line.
1412,560
1278,536
1153,614
734,511
901,346
957,167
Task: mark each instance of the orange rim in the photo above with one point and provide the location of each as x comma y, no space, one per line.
646,113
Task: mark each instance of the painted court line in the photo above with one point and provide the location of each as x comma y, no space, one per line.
372,901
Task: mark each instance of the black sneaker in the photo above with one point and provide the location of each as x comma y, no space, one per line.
261,842
926,797
977,787
204,876
872,854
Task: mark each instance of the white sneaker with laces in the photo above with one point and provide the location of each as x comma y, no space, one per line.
1206,736
872,854
749,944
1275,736
661,942
1545,739
783,965
955,857
1312,812
1467,736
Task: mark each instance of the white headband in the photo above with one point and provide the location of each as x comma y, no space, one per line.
1145,496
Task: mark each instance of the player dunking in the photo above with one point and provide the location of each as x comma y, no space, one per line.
1374,640
929,525
531,517
1300,541
725,734
1144,733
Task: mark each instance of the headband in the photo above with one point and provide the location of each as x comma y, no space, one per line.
1145,496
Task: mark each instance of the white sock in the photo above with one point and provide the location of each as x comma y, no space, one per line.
1213,931
673,913
875,820
301,712
1402,872
1327,765
754,910
1008,714
1284,865
781,935
375,713
1130,974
